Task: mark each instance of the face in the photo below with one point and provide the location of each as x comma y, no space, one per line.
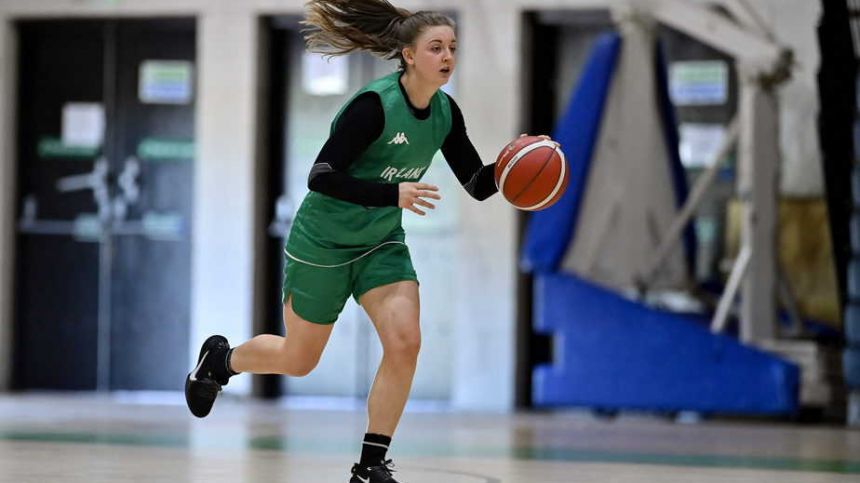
433,57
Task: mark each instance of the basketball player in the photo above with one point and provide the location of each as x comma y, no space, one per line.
347,237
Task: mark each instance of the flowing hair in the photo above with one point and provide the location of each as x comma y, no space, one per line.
338,27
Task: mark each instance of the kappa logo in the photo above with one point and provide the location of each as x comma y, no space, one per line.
399,138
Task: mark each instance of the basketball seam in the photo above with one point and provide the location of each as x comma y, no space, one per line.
526,186
516,158
557,185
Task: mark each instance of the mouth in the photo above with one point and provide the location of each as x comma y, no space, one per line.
445,70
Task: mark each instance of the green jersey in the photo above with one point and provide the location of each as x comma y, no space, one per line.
328,231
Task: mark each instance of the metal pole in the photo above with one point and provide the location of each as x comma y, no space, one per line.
688,210
758,172
718,324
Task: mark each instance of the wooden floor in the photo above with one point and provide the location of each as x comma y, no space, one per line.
86,438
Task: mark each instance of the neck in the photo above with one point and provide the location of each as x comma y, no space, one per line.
419,93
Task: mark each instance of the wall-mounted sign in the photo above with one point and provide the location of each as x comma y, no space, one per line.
51,147
83,124
157,149
165,82
696,83
699,143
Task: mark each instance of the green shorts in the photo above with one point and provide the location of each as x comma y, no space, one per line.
319,293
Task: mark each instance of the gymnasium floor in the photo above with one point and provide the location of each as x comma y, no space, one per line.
91,438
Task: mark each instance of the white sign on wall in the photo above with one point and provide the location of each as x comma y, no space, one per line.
696,83
165,82
699,143
83,124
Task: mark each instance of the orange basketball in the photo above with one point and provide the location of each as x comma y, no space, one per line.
531,173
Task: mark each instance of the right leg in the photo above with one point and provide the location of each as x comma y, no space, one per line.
294,355
318,294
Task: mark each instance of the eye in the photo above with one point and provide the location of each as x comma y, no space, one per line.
435,48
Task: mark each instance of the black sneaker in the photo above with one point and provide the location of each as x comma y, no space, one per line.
373,474
203,384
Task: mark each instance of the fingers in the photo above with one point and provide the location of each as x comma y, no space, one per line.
412,196
429,194
544,136
555,143
419,201
425,186
415,210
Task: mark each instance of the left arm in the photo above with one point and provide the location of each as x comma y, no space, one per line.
464,160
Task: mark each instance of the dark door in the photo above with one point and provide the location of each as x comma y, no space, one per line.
103,272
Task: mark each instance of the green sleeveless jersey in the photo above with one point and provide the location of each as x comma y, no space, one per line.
329,231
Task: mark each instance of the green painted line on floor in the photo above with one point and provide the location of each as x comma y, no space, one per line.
691,460
303,445
418,449
157,440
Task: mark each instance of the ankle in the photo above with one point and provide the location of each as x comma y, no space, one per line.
228,365
373,449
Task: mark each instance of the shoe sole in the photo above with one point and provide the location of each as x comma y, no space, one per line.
200,391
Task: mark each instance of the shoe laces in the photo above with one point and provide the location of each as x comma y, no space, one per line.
388,467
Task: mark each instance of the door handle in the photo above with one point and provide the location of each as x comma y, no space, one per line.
95,180
128,187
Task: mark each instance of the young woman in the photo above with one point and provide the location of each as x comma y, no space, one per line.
347,237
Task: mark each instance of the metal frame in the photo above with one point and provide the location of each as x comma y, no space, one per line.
762,64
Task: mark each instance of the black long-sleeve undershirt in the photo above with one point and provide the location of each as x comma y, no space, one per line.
360,125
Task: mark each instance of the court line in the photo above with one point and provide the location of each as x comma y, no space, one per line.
406,448
432,471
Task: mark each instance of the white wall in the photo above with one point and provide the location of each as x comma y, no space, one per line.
222,275
489,93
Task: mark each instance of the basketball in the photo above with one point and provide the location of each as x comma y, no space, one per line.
531,173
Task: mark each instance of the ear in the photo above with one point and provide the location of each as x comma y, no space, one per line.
408,55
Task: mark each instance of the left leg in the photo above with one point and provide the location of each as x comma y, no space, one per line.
394,311
387,288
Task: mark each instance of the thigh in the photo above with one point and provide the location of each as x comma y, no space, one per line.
308,337
316,294
394,310
385,266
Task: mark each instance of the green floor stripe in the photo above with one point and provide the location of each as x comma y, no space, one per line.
702,461
158,440
304,445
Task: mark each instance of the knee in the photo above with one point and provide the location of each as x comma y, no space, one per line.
301,369
298,365
404,344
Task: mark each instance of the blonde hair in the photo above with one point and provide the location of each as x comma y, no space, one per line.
337,27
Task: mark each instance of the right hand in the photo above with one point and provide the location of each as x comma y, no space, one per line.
544,136
412,195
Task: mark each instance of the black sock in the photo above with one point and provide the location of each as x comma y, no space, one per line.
230,371
373,449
